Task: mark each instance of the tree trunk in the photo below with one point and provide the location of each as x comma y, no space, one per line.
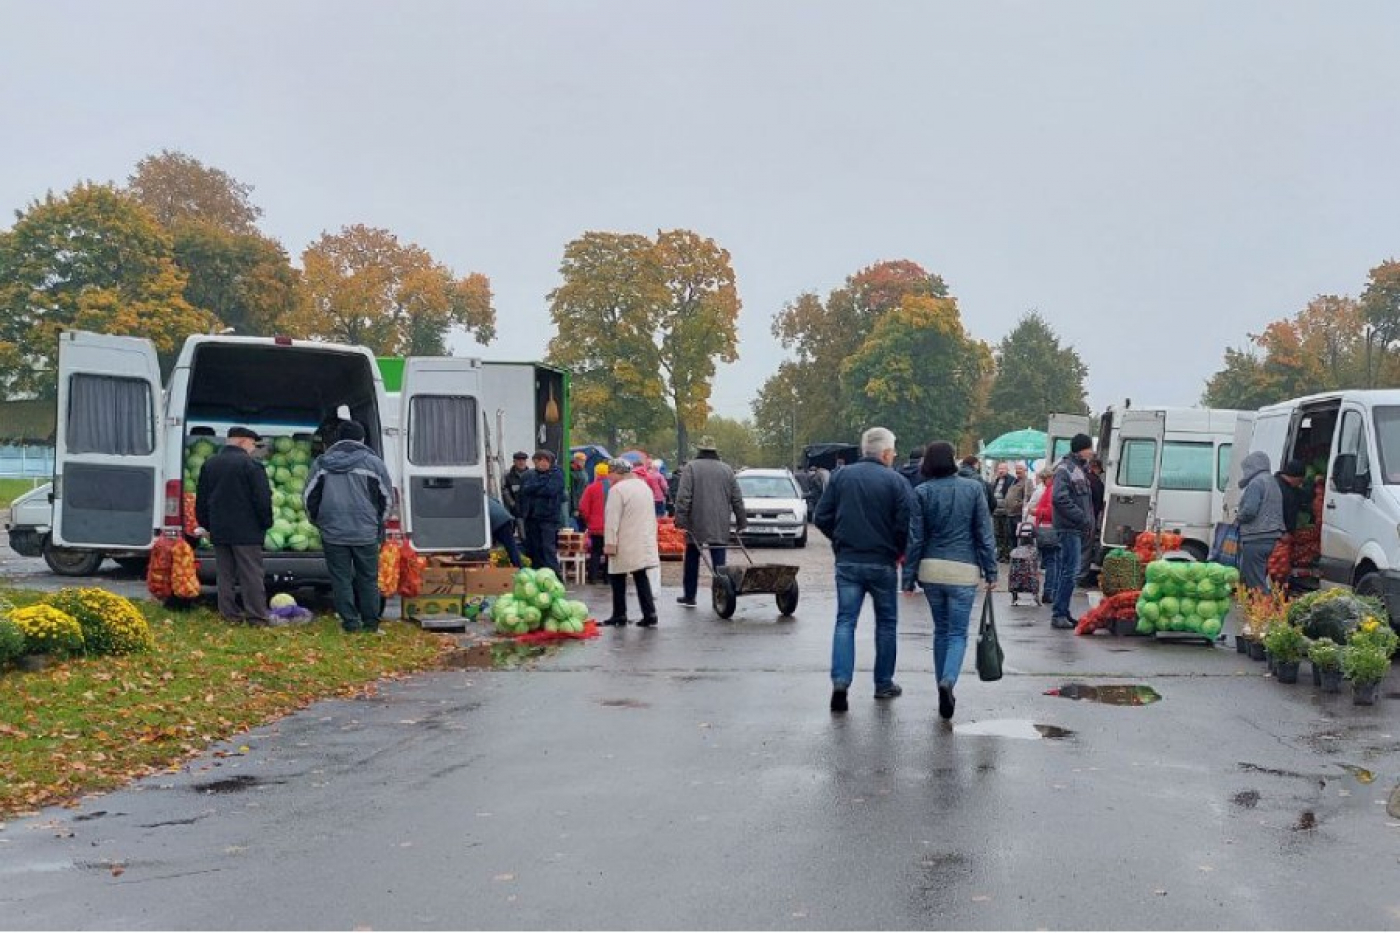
682,440
612,440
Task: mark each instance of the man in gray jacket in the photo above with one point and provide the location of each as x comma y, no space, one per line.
347,496
707,496
1260,519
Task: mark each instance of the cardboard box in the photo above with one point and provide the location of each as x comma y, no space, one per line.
442,581
418,608
487,581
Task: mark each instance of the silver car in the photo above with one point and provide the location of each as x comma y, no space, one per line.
775,507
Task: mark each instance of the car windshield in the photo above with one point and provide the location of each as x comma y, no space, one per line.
768,487
1388,442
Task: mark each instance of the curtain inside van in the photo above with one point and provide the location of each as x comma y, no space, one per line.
109,415
442,430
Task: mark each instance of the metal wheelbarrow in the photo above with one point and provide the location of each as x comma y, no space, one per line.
753,579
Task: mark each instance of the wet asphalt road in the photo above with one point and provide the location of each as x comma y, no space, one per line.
692,777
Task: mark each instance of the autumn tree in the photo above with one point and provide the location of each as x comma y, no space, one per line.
917,373
1034,376
642,324
245,279
1241,383
176,187
823,335
365,287
93,259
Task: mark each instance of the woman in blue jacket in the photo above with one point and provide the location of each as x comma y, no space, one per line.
951,552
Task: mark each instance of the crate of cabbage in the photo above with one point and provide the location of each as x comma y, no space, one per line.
538,602
287,465
1185,597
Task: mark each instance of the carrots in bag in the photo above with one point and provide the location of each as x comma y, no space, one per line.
389,568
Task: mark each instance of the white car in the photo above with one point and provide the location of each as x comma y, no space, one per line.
774,505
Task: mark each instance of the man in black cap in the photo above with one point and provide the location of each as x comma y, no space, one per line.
514,479
1290,483
233,505
1072,508
542,509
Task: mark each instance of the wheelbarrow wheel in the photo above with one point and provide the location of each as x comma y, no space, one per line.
787,599
724,596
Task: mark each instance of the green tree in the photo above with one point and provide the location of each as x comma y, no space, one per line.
365,287
604,314
779,418
1241,383
1034,376
176,187
93,259
245,279
918,373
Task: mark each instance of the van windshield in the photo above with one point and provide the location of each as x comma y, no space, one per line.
1388,442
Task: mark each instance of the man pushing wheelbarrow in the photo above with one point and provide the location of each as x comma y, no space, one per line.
707,496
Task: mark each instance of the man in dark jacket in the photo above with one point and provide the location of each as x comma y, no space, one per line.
1290,484
578,482
1072,508
970,469
707,499
913,466
514,479
233,503
865,513
347,497
541,505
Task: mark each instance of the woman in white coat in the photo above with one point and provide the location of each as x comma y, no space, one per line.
629,541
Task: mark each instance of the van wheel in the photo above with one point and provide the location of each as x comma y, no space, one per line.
1370,585
70,563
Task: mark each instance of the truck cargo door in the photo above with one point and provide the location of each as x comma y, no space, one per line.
443,466
107,462
1131,475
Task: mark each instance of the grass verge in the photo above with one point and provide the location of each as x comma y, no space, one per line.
93,724
12,489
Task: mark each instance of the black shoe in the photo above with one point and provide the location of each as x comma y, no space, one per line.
838,701
687,602
647,622
1062,623
618,621
889,691
946,702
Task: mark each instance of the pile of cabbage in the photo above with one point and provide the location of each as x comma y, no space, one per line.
1185,597
287,465
538,601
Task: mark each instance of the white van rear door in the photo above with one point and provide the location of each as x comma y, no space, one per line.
1130,489
1240,448
442,462
1060,431
107,464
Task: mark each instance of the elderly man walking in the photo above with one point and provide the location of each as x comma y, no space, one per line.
708,495
865,513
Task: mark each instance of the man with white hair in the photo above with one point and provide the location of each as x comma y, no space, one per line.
865,513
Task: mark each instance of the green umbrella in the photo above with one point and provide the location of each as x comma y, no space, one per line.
1028,444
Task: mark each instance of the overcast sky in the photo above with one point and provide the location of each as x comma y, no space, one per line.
1157,179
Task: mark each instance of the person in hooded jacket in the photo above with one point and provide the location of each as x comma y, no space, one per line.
591,508
541,503
347,497
1260,519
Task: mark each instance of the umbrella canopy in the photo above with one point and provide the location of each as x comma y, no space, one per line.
1027,444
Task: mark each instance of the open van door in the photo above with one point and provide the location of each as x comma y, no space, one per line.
1239,449
1130,489
442,457
1059,432
107,486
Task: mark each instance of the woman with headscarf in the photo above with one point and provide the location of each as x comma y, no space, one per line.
629,540
951,553
590,508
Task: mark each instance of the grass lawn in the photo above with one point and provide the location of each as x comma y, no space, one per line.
11,489
92,724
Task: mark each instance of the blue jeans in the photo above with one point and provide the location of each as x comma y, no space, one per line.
853,581
1050,566
952,613
1071,544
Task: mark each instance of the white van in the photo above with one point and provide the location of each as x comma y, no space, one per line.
1352,439
121,436
1165,469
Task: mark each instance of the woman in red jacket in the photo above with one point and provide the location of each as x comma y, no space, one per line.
590,509
1043,516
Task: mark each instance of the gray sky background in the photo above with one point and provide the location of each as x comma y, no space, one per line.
1157,179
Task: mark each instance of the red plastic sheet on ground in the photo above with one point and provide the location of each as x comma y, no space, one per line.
590,630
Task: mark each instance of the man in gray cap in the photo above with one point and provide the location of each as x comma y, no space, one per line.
233,501
542,510
708,495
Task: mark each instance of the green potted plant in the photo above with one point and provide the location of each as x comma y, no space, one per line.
1326,657
1364,664
1286,646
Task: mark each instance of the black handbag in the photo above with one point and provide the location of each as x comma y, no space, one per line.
989,653
1047,537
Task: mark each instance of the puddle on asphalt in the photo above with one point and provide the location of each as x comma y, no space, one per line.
1248,799
233,785
1307,820
1361,774
1111,695
492,656
624,704
1013,729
